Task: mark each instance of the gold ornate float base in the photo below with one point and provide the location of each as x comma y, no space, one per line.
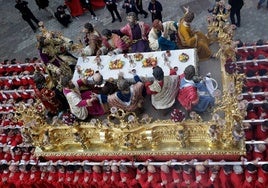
123,135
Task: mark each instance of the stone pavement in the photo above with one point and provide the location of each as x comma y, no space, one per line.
18,40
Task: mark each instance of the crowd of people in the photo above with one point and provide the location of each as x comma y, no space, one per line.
106,174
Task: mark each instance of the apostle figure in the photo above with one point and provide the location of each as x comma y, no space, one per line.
163,90
92,40
137,31
54,51
193,39
129,97
193,95
160,35
50,98
81,104
101,86
112,43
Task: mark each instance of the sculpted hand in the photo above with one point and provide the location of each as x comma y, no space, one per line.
99,52
249,179
150,178
89,102
133,71
120,75
186,9
198,178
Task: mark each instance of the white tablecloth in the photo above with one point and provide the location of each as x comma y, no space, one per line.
89,62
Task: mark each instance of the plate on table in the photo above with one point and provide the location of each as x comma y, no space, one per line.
88,72
149,62
116,64
138,56
183,57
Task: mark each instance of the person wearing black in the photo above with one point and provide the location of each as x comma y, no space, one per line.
26,13
44,4
236,6
62,17
130,6
155,8
87,5
112,7
140,8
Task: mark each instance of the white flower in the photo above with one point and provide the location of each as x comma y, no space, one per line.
131,118
113,110
93,121
215,117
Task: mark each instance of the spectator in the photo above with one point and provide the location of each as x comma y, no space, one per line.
87,5
112,7
140,8
44,4
130,6
236,6
62,16
26,13
260,4
75,7
155,8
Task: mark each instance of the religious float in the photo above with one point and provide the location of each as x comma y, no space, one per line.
123,135
122,138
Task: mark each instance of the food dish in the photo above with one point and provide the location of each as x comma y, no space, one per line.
149,62
138,57
183,57
89,72
116,64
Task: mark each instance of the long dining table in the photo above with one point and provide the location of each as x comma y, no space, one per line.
111,65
